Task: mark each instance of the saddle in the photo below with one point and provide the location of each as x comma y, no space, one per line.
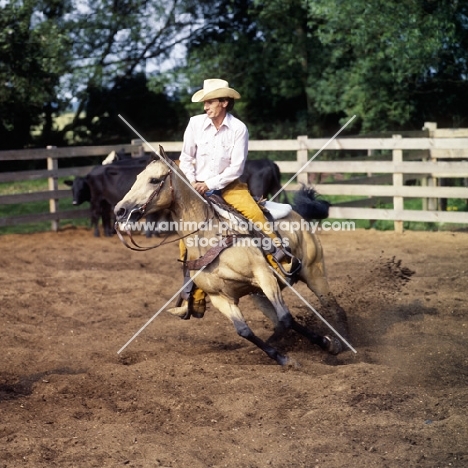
239,228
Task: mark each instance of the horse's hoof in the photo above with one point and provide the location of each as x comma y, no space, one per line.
282,360
333,345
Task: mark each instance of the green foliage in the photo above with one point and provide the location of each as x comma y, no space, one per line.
33,49
251,46
381,55
113,41
301,66
309,65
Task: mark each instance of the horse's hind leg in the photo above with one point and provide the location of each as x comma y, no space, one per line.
330,344
267,308
233,313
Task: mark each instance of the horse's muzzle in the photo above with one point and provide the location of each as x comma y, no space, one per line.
129,216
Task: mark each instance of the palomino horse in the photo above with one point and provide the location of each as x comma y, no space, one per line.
240,269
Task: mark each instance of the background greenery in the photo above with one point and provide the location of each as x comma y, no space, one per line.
301,66
68,68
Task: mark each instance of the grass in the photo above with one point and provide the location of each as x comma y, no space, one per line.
19,209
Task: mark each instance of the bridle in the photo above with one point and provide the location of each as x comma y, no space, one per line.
142,210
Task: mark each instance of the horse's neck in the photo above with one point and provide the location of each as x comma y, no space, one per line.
188,207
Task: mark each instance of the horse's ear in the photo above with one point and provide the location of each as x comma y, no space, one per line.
154,157
163,153
165,156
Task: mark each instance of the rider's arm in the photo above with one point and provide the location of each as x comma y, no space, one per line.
188,154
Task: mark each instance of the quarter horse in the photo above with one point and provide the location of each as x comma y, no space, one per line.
239,270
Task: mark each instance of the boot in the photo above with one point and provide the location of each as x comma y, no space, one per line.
184,311
191,305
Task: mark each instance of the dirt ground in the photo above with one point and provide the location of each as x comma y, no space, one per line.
194,394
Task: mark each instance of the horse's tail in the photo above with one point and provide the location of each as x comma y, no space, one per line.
308,204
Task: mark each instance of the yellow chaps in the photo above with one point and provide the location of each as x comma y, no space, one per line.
237,195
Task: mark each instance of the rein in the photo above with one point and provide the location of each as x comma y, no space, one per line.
142,210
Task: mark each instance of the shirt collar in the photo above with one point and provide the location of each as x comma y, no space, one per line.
226,121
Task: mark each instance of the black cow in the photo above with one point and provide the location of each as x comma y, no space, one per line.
100,190
104,187
263,178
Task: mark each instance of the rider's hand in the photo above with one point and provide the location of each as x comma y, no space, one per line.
200,187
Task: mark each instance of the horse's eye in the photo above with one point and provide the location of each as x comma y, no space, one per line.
154,180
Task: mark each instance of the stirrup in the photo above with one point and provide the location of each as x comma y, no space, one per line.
183,307
296,264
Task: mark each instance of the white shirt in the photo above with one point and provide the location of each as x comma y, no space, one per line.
216,157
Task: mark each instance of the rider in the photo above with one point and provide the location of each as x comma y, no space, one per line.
213,156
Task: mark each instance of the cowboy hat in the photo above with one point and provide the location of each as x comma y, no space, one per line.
215,88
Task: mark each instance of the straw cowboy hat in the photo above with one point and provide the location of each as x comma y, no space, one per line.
213,89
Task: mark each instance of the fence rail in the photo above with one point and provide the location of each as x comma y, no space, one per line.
383,179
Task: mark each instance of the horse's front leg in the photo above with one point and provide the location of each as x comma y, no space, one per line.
318,284
233,313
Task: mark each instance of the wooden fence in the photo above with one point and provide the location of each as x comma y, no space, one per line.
380,174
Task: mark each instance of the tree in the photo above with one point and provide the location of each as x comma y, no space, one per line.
32,50
382,55
307,66
115,40
54,51
153,114
268,51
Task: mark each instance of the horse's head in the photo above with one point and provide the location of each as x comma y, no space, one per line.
151,192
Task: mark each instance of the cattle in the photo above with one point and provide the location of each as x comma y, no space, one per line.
100,190
261,175
263,178
103,187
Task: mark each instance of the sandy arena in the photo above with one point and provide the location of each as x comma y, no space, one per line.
192,394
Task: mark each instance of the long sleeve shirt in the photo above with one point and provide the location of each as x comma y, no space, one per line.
216,157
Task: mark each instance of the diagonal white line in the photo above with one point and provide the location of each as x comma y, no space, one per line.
313,310
313,157
162,159
158,312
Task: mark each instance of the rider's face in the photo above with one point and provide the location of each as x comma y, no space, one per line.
215,109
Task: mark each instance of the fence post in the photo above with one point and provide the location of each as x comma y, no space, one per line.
302,158
141,149
52,165
397,157
430,204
